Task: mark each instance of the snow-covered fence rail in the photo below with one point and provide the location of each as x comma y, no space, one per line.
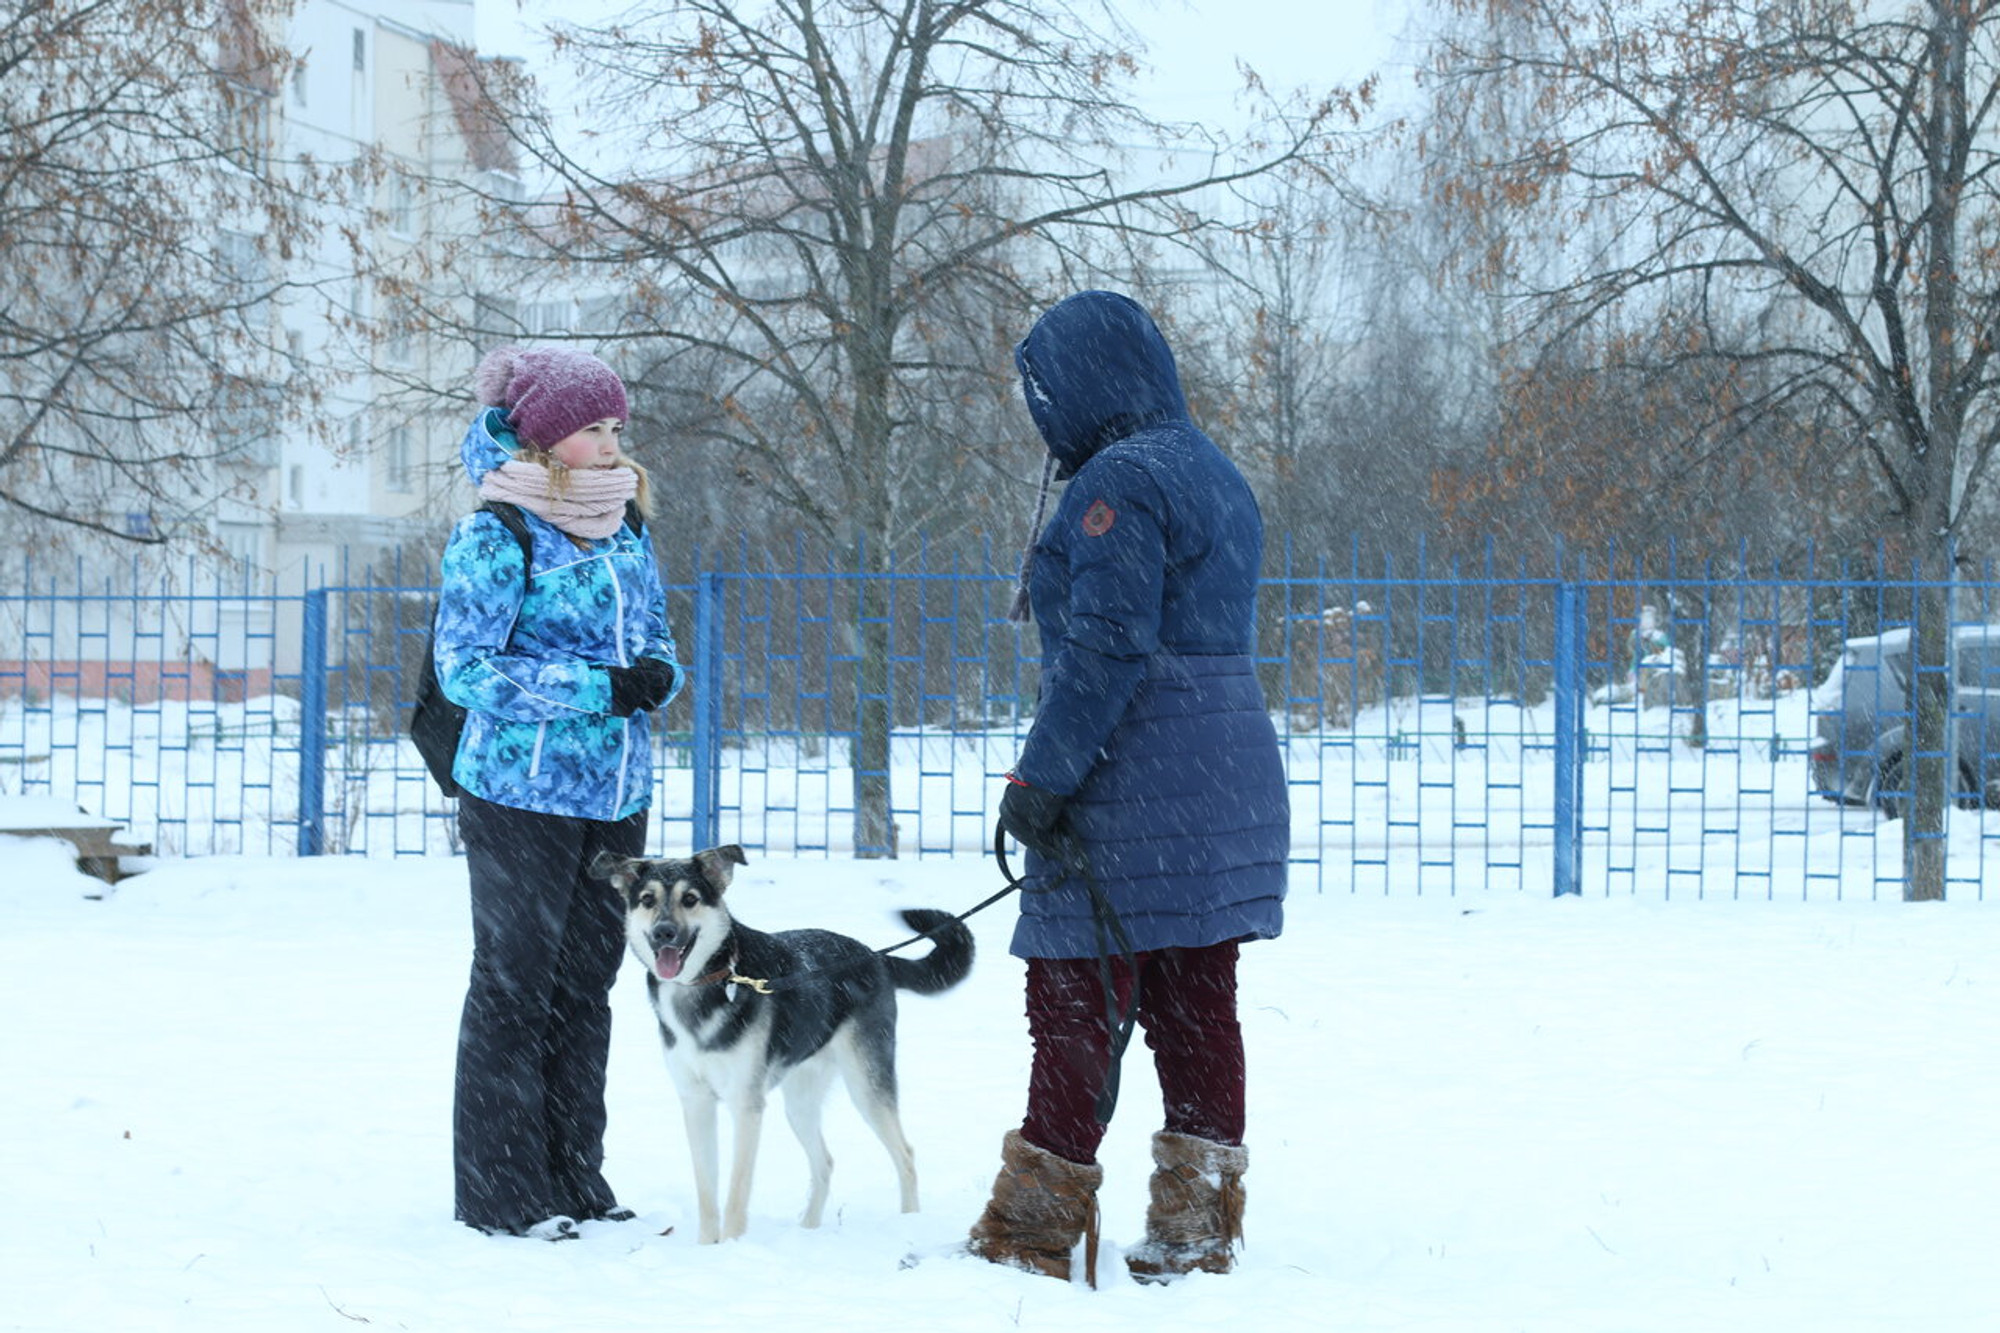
1616,730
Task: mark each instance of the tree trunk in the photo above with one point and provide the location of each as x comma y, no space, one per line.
1934,455
870,524
1931,763
874,830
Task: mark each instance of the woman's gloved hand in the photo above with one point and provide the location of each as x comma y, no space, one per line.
1031,816
641,687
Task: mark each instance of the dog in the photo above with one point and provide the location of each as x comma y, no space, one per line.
831,1007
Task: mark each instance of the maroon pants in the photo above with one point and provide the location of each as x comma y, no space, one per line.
1187,1008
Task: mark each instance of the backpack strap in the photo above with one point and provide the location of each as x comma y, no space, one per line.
512,519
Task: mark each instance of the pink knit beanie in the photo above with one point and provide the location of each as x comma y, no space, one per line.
549,393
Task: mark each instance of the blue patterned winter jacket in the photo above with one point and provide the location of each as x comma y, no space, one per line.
526,657
1144,589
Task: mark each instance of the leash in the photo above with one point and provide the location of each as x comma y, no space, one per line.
1109,930
771,985
1106,926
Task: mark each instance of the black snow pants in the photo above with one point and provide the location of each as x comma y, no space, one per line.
528,1124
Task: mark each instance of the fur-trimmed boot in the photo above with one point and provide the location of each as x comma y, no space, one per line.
1195,1219
1041,1205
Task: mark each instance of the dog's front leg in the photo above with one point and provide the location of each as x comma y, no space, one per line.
698,1111
748,1112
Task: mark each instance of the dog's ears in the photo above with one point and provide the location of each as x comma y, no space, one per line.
715,863
622,871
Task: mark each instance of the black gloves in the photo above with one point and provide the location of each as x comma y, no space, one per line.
641,687
1031,816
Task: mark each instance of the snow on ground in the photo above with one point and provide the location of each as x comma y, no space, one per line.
227,1108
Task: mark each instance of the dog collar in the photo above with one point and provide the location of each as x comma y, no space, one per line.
721,972
727,972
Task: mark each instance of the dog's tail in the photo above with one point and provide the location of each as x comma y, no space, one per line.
947,964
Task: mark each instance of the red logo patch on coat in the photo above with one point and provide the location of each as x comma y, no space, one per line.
1097,519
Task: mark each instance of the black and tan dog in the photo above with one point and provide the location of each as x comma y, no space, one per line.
831,1008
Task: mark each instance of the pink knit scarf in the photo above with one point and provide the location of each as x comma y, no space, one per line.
592,509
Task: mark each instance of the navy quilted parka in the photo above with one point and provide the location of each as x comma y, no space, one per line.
1144,589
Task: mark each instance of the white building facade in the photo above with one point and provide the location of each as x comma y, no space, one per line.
381,94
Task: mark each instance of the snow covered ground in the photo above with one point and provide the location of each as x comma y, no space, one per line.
227,1108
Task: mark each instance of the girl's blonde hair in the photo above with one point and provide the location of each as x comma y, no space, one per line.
559,476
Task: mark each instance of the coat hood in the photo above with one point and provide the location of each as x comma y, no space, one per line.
1094,369
488,443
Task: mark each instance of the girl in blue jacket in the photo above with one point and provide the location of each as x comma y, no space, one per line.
1152,765
558,662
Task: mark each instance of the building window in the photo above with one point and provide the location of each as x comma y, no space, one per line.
244,544
242,261
245,126
546,318
296,485
299,82
402,207
496,311
243,432
360,51
397,473
395,331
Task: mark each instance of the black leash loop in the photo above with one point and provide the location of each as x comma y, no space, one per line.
1110,932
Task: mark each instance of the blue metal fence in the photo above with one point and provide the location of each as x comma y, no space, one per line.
1614,730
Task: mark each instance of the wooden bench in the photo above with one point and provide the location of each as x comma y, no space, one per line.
96,851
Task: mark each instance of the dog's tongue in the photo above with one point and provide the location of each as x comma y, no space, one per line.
668,964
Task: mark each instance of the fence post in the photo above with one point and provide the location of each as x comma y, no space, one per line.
706,743
1569,740
312,725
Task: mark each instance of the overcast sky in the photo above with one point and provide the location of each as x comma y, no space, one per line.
1192,45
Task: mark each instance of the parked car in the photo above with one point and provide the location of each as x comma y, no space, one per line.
1862,716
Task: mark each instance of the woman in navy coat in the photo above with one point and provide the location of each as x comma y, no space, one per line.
1153,762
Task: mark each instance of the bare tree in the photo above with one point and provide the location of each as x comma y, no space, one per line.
1808,188
1279,338
849,211
141,229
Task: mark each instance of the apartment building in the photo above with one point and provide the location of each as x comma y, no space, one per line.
383,95
306,476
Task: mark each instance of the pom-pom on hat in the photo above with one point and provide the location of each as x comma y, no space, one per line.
549,393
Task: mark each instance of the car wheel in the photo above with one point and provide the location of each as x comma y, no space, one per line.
1891,791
